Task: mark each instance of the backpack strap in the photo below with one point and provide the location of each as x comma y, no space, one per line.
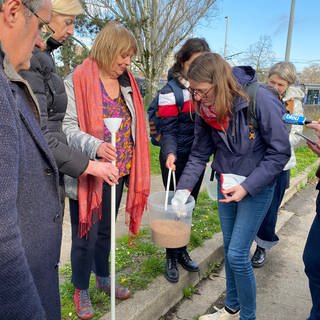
178,93
252,121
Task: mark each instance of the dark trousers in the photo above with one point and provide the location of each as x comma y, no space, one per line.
266,236
311,259
180,164
91,252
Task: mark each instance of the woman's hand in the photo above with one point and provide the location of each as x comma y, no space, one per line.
105,170
170,162
236,193
107,151
314,147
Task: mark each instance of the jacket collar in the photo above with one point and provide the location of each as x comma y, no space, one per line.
14,77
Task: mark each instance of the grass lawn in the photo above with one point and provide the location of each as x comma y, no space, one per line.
138,265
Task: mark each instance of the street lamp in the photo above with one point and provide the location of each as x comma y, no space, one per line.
226,38
289,37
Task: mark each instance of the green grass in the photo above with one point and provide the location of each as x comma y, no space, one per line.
138,265
305,158
154,159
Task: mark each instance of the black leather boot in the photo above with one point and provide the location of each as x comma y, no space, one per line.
172,272
185,260
259,257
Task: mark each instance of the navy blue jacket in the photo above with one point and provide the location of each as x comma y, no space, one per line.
260,160
177,128
30,210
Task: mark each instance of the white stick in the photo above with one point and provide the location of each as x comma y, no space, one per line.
113,125
113,242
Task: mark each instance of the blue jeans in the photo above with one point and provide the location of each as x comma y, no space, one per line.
240,223
311,259
266,236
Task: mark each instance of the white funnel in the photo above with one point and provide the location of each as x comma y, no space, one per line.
112,124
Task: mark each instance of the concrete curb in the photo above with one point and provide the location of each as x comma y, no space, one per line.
161,295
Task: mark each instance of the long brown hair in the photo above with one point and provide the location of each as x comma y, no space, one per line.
212,68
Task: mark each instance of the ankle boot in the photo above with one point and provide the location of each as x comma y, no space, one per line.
172,272
185,260
259,257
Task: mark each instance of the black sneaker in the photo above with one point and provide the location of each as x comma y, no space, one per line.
259,257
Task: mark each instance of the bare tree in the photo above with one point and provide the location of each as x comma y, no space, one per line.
158,25
310,74
260,56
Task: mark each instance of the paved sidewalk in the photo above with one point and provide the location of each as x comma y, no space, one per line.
282,286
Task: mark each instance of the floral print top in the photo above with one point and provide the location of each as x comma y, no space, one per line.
117,108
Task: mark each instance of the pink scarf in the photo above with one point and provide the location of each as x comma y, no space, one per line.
210,117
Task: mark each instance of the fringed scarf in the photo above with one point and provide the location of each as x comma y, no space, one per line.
88,98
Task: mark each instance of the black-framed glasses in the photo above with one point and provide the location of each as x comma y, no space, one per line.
45,30
201,94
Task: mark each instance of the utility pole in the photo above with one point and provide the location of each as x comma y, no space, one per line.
289,37
226,37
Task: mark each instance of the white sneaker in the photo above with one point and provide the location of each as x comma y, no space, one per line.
221,314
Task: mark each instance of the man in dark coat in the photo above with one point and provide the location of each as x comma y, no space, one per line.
30,211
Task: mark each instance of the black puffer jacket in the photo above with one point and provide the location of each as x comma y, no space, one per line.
50,92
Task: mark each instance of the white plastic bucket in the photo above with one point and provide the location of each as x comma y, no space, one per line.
169,228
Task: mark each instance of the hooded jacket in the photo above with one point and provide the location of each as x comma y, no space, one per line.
177,128
260,160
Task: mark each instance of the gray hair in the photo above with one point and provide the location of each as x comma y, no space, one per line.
33,5
284,70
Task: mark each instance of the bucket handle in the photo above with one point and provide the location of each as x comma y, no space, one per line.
168,187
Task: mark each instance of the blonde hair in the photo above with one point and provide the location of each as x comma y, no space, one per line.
212,68
67,7
113,40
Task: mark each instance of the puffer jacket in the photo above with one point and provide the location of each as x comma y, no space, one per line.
177,128
295,95
50,92
260,160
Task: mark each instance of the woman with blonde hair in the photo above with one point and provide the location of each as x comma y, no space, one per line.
282,77
245,164
103,87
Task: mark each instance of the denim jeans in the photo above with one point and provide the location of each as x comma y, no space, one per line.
311,259
266,236
240,222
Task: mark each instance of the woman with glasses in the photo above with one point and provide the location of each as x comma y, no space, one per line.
246,166
177,134
50,92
